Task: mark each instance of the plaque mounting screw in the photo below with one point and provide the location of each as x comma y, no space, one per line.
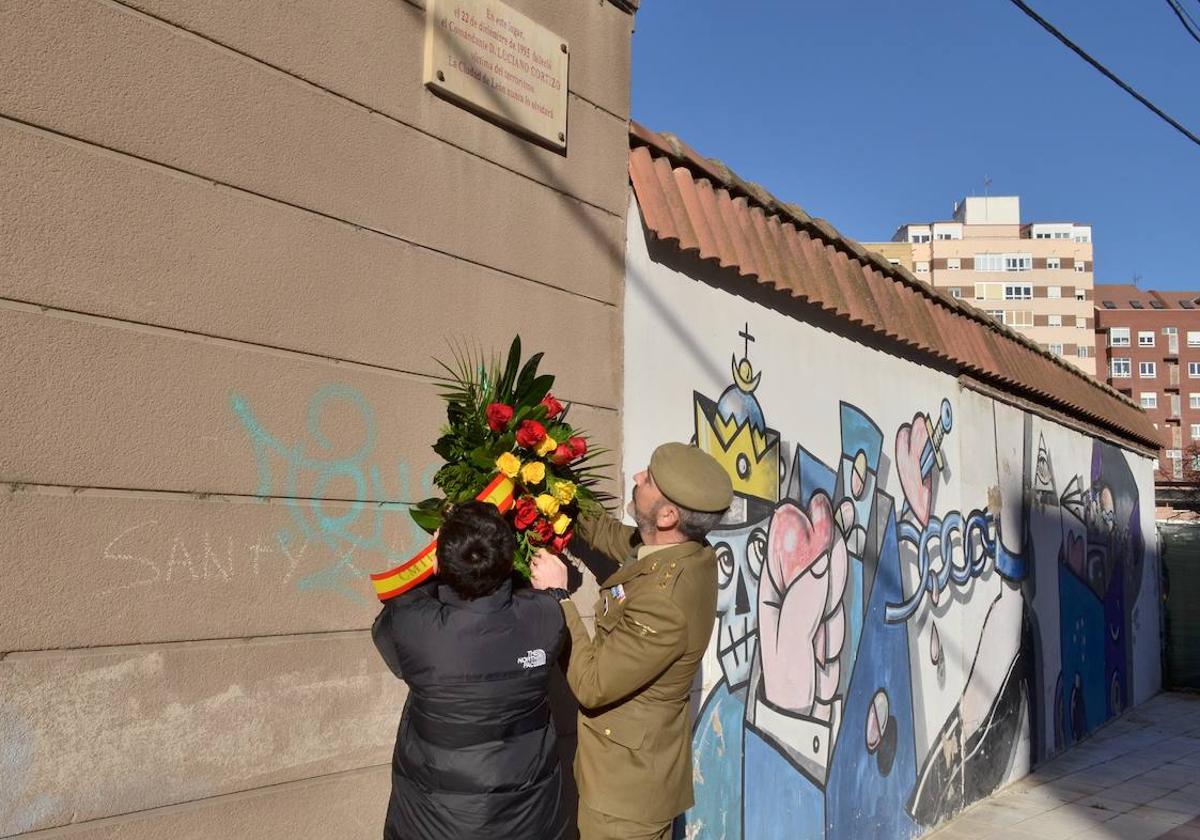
564,47
562,138
441,77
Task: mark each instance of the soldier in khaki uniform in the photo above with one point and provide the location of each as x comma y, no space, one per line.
653,623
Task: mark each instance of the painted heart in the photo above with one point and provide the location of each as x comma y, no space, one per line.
918,491
796,540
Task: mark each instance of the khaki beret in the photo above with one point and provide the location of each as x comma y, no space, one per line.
691,478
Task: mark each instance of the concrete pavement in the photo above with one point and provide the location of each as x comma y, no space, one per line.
1134,779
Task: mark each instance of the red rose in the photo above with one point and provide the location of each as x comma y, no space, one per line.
553,406
560,543
543,531
525,512
498,415
561,455
530,433
578,447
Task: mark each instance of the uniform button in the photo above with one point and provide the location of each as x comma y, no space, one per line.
608,732
672,565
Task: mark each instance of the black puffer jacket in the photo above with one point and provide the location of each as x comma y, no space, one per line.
475,755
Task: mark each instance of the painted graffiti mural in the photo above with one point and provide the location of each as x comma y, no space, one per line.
887,652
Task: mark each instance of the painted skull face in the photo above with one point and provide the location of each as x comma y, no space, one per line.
740,553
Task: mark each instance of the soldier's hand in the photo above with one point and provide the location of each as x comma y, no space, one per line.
547,571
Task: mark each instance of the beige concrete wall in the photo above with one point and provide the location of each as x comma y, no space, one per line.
233,237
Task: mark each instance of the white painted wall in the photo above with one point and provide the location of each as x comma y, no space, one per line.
770,757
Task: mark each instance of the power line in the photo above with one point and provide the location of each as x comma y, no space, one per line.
1189,22
1111,76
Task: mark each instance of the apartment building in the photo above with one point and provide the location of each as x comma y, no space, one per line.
1036,277
1150,346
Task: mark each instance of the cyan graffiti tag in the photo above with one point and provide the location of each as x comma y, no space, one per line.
312,468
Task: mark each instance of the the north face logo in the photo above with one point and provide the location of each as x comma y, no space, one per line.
533,659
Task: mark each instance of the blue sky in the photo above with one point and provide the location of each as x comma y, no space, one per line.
871,113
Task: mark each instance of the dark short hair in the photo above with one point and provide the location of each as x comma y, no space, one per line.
475,550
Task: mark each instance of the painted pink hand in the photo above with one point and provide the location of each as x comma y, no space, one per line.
918,490
802,626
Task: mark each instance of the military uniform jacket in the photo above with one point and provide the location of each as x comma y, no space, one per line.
633,680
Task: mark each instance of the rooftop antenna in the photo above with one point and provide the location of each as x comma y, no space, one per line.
987,182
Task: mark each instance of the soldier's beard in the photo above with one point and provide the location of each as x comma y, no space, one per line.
644,519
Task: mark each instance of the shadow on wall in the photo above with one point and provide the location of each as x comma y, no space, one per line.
886,659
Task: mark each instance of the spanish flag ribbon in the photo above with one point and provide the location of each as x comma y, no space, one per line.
408,574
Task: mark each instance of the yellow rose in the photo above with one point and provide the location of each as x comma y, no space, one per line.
564,491
561,523
547,504
533,473
546,447
508,464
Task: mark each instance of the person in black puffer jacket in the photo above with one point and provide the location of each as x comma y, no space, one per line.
475,753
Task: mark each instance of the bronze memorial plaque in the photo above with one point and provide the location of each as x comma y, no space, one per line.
494,60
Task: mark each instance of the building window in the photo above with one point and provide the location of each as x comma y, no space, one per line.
943,236
1080,294
1148,399
1147,370
1053,262
1083,351
989,291
1177,469
1170,330
1121,368
1022,291
1081,322
989,262
1079,268
1079,237
1054,320
1193,370
918,237
1193,338
922,267
1174,454
1118,337
1055,349
998,314
1193,400
1196,431
1156,464
1195,463
953,263
1004,262
1145,338
955,292
1054,292
1019,318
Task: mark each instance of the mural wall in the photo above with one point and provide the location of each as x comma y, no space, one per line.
923,591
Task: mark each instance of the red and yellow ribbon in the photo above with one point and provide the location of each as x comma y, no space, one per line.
408,574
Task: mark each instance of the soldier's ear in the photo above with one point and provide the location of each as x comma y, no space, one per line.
668,517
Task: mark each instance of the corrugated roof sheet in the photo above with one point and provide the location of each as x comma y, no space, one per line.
704,207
